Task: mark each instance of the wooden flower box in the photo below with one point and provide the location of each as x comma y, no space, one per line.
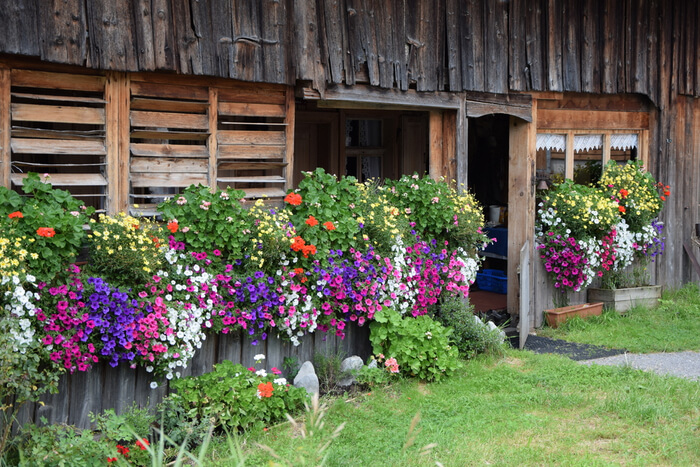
556,316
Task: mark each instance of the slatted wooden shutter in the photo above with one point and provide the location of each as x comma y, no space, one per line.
58,126
253,126
169,126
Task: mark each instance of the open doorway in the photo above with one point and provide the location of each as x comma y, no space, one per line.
365,144
488,163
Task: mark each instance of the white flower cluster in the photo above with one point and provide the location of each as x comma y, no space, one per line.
470,266
399,293
19,303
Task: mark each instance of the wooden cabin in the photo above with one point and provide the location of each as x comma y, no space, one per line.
124,102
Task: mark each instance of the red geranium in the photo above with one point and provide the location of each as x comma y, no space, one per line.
329,225
311,221
265,389
173,226
15,215
293,198
45,232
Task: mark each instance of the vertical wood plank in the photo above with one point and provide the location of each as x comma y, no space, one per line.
571,59
275,47
113,48
435,150
554,46
55,407
521,200
606,148
535,46
335,29
118,389
5,119
517,63
145,396
62,26
86,393
462,150
122,200
164,44
590,44
496,47
454,57
188,46
19,33
569,161
212,142
143,34
229,347
472,41
113,97
206,356
289,150
449,147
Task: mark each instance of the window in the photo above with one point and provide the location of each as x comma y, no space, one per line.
364,150
580,155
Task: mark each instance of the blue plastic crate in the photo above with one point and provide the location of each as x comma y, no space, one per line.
492,280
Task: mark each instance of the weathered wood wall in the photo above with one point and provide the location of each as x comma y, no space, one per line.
649,47
104,387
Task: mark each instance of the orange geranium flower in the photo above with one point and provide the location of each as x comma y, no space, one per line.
173,226
45,232
265,389
298,271
329,225
308,250
298,244
311,221
142,443
15,215
293,198
624,192
621,209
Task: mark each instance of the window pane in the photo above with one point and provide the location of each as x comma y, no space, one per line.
588,158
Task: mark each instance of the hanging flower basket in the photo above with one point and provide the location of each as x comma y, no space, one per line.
556,316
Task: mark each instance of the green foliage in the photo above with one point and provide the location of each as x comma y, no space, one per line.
421,345
471,336
327,368
125,251
134,422
635,190
374,377
23,376
63,445
327,199
45,207
290,367
228,396
438,211
209,220
381,223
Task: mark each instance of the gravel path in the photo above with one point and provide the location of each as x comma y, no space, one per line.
681,364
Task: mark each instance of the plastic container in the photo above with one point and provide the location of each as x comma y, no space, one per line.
492,280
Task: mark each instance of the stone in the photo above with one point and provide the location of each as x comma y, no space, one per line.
306,378
372,364
350,366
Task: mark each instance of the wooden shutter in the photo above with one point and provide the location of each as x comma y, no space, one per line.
58,126
169,130
254,122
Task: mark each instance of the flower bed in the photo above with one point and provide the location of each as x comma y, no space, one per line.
586,232
336,253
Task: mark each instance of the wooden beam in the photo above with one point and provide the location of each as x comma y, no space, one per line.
435,151
290,110
343,96
449,147
479,109
113,96
121,202
5,118
574,119
58,146
212,141
63,81
57,114
569,160
606,148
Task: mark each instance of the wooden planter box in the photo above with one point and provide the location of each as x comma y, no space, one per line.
624,299
556,316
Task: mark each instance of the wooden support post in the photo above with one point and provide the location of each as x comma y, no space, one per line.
435,157
123,155
569,160
606,148
449,147
289,151
462,152
5,117
212,142
112,96
521,202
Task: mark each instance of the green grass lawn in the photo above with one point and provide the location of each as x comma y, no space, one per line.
671,327
521,409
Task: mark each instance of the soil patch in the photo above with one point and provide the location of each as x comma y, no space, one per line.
573,350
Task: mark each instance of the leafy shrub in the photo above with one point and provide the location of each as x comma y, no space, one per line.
48,223
471,336
421,345
63,445
437,211
235,397
320,211
207,221
125,251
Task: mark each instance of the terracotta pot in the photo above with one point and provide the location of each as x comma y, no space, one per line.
556,316
624,299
